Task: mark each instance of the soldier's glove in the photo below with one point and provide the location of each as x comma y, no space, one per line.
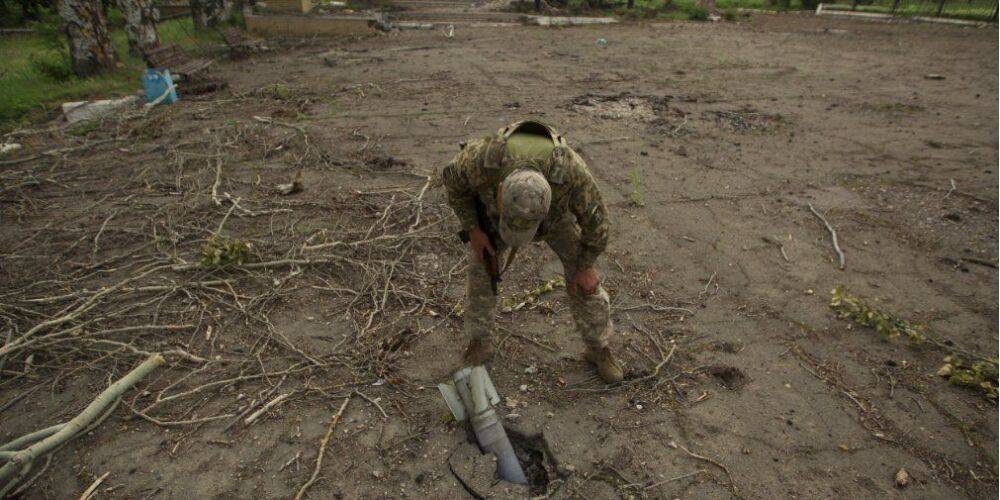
584,282
481,245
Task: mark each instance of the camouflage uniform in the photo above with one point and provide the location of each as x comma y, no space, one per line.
576,227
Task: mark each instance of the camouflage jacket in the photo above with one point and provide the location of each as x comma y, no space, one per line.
478,169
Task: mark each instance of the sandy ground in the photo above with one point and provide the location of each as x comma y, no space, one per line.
731,129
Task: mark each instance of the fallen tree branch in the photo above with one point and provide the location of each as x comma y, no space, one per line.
91,413
27,439
322,449
89,492
54,152
263,409
833,234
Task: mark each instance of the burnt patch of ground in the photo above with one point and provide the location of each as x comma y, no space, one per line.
730,377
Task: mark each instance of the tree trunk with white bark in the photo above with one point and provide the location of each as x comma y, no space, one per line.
208,13
140,25
90,47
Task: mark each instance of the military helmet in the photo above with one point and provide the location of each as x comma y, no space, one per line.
524,203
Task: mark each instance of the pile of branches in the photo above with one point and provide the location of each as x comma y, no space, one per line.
128,243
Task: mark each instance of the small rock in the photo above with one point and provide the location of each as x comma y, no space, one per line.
902,478
531,370
523,388
945,370
953,216
550,414
569,468
933,76
377,474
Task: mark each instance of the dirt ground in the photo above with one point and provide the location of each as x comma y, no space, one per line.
709,142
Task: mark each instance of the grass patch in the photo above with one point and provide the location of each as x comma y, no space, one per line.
638,197
696,13
680,10
961,367
976,10
222,252
37,75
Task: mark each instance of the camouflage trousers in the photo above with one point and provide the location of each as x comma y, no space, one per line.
591,313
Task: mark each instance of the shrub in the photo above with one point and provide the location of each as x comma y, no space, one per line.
52,65
697,13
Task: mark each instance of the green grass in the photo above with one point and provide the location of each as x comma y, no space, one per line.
638,197
959,9
680,10
36,76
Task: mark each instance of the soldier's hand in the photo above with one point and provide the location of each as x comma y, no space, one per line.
584,282
480,244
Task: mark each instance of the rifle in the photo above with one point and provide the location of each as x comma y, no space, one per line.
490,261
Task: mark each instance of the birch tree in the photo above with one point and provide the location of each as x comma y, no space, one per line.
90,47
207,13
140,25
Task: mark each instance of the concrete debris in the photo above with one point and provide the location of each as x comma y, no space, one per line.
569,21
91,110
7,147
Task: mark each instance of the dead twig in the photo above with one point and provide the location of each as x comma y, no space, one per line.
89,492
951,190
263,409
678,478
778,244
833,235
322,449
732,482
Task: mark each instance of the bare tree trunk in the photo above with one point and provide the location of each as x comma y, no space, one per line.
208,13
90,48
140,25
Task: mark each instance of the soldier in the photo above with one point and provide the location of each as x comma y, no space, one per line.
529,185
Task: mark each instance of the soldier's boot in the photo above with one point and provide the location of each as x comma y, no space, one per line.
607,367
479,352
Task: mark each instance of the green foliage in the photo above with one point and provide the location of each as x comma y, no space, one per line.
36,69
638,198
53,65
858,310
697,13
730,14
83,128
977,10
281,91
980,374
224,252
530,297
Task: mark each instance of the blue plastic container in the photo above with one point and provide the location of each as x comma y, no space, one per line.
157,82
